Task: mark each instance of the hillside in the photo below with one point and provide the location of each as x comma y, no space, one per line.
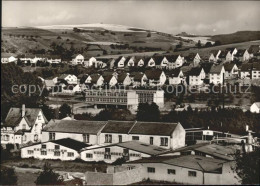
80,37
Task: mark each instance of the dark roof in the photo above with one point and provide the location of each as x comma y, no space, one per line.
107,78
128,59
256,66
14,116
137,76
158,59
214,52
223,54
229,66
75,126
230,49
254,49
246,67
174,72
194,162
206,67
153,128
117,60
240,52
63,76
75,55
105,60
172,58
122,127
94,78
191,56
216,69
153,74
195,71
121,77
146,60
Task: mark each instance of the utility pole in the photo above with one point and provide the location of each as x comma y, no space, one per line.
203,178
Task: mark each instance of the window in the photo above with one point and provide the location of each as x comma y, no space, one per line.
171,171
57,147
24,126
120,138
36,137
151,140
108,138
70,154
51,136
56,153
164,141
192,173
85,138
30,151
39,117
150,169
24,137
88,155
43,146
7,137
135,137
44,153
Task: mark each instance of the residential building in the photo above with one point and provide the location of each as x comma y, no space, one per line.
255,107
124,98
130,61
188,169
80,130
124,79
129,150
69,78
214,57
140,62
175,61
196,76
65,149
255,71
217,74
231,70
155,77
120,62
54,59
193,58
176,77
110,80
23,125
91,62
254,49
149,62
160,62
164,135
233,52
226,56
104,63
71,89
242,55
77,59
245,71
95,79
139,79
8,58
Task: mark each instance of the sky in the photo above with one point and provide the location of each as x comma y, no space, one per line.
195,17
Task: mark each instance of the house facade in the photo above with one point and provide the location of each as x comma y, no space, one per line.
54,59
69,78
91,62
231,70
255,107
176,77
242,55
175,61
77,59
196,76
139,79
217,74
155,77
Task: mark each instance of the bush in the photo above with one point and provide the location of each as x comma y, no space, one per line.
8,176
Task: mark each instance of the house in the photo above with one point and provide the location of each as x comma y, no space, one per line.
254,49
188,169
193,58
175,61
160,62
196,76
8,58
23,125
233,52
242,55
155,77
65,149
80,130
214,55
149,62
120,62
91,62
110,80
49,84
176,77
165,135
130,61
69,78
140,62
129,150
256,70
95,79
255,107
139,79
231,70
124,79
206,67
71,89
77,59
226,56
104,62
217,74
245,71
54,59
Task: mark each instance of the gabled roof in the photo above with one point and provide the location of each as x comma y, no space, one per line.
229,66
14,116
257,104
146,60
216,69
106,60
95,78
128,59
107,78
158,59
153,74
75,55
121,77
195,71
240,52
172,58
256,66
174,72
117,60
223,54
191,56
153,128
194,162
230,49
121,127
75,126
206,67
254,48
137,76
63,76
246,67
214,52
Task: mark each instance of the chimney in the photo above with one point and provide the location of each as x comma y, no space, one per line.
23,110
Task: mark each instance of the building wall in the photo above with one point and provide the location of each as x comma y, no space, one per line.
217,78
121,63
71,79
245,75
255,74
115,153
115,138
178,137
129,176
158,98
36,149
254,108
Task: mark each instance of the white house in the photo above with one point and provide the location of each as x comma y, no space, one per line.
23,125
71,89
129,150
196,76
214,55
95,79
53,59
256,70
194,59
120,62
149,62
130,61
176,77
69,78
217,74
140,62
80,130
255,107
231,70
245,71
242,55
7,58
65,149
124,79
160,62
77,59
233,52
226,56
110,80
175,61
90,62
165,135
155,77
139,79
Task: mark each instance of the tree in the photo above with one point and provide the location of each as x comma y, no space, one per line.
58,37
148,112
247,167
65,110
8,176
28,63
217,43
49,177
19,62
208,44
149,34
199,44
